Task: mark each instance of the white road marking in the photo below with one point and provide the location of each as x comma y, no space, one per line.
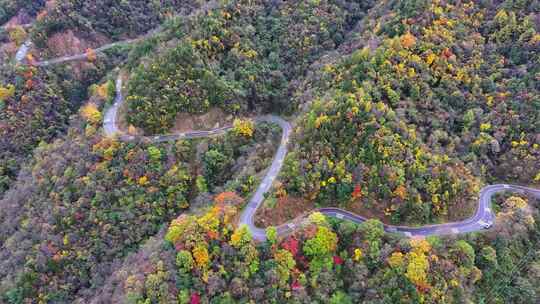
339,216
290,225
407,234
455,230
487,209
506,186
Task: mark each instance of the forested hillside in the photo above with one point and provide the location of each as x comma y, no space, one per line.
206,260
239,57
445,95
404,112
10,8
35,105
28,104
112,19
88,200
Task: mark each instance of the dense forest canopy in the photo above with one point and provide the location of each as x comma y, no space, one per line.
11,8
401,111
113,19
206,259
239,58
440,99
89,200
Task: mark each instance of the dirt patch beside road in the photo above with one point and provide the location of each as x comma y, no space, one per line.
285,209
213,119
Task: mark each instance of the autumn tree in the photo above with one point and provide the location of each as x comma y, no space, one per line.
240,237
418,264
357,192
228,197
17,34
408,40
91,113
7,92
91,55
201,256
285,263
243,127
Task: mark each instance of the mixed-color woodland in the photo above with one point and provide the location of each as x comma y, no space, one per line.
402,111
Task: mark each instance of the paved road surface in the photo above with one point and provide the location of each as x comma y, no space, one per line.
22,51
477,222
25,47
482,215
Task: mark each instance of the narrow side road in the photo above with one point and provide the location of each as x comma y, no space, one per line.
482,219
20,56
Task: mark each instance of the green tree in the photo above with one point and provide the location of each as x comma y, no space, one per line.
373,230
214,163
320,249
154,153
271,235
464,253
285,263
340,298
184,261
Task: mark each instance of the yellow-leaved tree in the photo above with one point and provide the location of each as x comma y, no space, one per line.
418,265
202,258
7,92
91,113
17,34
243,127
240,237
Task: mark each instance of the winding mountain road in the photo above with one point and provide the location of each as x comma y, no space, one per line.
20,56
482,217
